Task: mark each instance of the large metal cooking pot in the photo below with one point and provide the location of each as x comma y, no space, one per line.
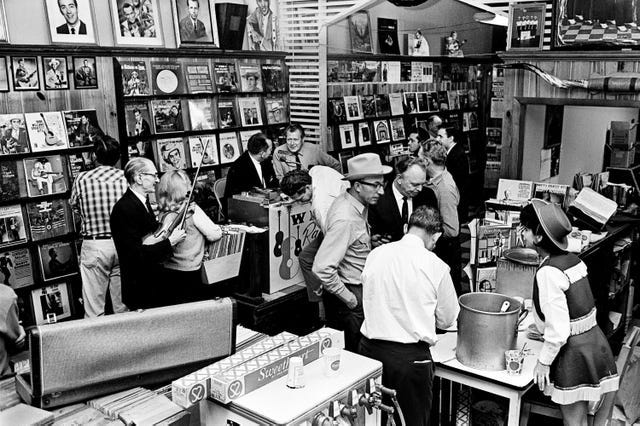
485,333
515,272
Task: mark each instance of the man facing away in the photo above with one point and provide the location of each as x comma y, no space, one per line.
346,244
407,293
93,195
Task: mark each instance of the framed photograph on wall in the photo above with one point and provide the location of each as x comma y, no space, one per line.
526,26
136,23
55,72
360,32
195,23
4,75
71,21
84,72
263,26
24,72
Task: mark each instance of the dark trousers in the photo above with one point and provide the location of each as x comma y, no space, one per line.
340,317
408,369
448,249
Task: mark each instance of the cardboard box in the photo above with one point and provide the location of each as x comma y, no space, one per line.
622,157
270,366
196,386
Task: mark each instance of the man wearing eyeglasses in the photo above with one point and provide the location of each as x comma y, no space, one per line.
389,218
132,219
346,244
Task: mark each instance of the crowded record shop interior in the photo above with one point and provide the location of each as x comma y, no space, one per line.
319,212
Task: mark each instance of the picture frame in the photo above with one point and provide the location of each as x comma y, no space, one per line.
84,72
195,23
51,303
4,29
141,27
4,74
25,73
526,26
71,21
254,38
360,32
55,72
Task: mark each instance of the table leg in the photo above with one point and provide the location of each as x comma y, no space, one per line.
514,409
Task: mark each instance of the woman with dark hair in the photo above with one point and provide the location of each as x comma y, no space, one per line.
575,367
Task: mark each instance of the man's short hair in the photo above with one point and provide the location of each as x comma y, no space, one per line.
195,1
107,150
423,134
433,118
437,153
403,165
427,219
294,181
257,143
295,127
75,3
135,166
454,133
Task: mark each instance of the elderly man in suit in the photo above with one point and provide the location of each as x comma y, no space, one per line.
132,219
252,168
69,10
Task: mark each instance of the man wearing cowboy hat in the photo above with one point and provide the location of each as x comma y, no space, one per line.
53,78
346,245
275,113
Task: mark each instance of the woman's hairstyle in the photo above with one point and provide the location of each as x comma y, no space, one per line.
172,189
529,219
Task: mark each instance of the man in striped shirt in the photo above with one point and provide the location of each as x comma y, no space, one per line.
93,195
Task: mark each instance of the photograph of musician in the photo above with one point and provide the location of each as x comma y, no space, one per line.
183,266
85,74
406,293
43,175
346,245
15,137
173,158
140,252
251,82
25,75
56,267
298,155
6,266
389,217
138,19
191,28
141,126
84,131
73,25
54,77
253,168
263,30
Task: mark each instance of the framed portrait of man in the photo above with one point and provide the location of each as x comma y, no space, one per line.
136,22
263,27
195,23
24,72
71,21
55,72
84,72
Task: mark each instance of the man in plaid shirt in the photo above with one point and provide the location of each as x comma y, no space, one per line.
93,195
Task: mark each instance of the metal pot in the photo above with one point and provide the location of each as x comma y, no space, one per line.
515,272
485,333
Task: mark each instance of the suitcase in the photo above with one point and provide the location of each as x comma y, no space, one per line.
77,360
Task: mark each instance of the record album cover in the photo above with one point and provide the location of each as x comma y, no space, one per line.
80,125
227,112
273,78
57,259
170,154
13,134
368,106
229,149
276,111
443,100
396,102
167,115
250,111
353,108
48,219
12,225
46,131
337,113
423,101
405,71
205,144
390,72
201,114
410,103
45,175
383,109
16,269
364,134
388,36
381,129
472,96
137,119
135,81
199,78
463,99
360,32
78,163
347,136
250,78
10,180
225,77
397,129
454,102
433,101
245,135
167,78
51,303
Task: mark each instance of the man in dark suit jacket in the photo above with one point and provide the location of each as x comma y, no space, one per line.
250,169
69,9
131,220
458,165
385,217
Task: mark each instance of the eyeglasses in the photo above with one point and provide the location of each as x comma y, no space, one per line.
376,185
153,175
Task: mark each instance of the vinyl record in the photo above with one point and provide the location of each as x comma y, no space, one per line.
167,81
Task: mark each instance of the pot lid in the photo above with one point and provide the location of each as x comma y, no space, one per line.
525,256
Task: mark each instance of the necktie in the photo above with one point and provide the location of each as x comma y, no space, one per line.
405,210
73,30
298,163
149,208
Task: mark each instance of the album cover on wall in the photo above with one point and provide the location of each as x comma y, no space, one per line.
276,111
397,129
250,111
12,225
10,187
16,268
170,154
225,77
203,148
390,72
423,101
368,106
245,135
364,134
405,71
167,78
229,149
80,125
381,129
13,134
383,109
199,78
388,36
135,81
353,108
57,259
273,78
137,119
410,103
396,102
167,115
347,136
51,303
454,102
78,163
463,99
201,114
250,78
45,175
433,101
337,113
48,219
227,112
46,131
443,100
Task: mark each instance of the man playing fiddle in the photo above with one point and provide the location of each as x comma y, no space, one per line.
132,219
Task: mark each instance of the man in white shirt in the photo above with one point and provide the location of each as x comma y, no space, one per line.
406,293
320,186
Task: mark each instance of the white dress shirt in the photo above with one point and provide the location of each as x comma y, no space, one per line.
327,185
399,201
406,292
256,164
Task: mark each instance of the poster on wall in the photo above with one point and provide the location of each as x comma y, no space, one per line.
360,32
526,26
136,23
71,21
195,23
263,27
